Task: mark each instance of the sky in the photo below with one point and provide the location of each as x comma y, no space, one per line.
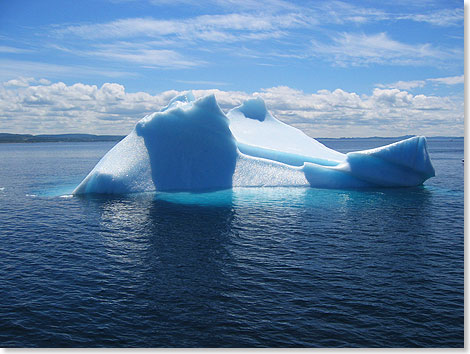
331,68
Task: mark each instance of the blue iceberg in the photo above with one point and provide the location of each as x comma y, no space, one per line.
191,145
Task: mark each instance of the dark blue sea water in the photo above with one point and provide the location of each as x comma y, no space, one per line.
273,267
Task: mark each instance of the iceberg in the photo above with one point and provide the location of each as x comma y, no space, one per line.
191,145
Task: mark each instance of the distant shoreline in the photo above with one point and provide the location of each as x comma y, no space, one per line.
391,137
56,138
79,138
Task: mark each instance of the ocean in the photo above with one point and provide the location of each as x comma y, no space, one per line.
248,267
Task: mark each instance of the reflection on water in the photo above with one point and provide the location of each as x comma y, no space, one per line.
174,257
190,230
278,266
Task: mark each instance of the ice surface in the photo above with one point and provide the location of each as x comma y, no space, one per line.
191,145
258,172
124,169
259,134
405,163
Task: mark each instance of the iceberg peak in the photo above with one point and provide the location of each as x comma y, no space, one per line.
179,100
254,108
187,147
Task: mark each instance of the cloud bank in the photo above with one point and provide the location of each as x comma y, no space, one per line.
35,106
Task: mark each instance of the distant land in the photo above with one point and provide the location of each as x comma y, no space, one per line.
58,138
393,137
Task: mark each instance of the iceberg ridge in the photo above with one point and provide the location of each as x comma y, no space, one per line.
191,145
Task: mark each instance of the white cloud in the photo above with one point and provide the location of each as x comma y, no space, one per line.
160,58
26,68
339,12
109,109
143,53
7,49
404,85
25,82
445,17
229,5
233,27
452,80
409,85
363,49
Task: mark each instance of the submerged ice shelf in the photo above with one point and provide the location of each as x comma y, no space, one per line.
191,145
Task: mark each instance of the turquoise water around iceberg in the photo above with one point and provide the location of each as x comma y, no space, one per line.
248,267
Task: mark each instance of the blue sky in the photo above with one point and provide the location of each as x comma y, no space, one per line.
331,68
